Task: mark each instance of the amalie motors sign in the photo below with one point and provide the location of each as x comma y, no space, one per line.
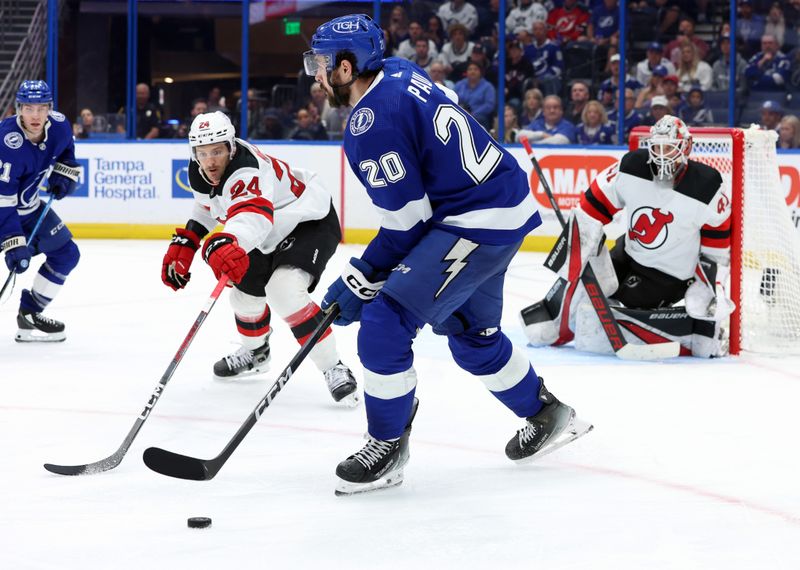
569,175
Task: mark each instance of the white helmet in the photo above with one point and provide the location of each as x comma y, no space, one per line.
669,146
210,128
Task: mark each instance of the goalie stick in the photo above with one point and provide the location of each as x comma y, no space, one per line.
11,279
622,348
116,458
185,467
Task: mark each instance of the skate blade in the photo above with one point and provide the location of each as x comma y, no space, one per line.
30,336
345,488
262,369
574,429
350,401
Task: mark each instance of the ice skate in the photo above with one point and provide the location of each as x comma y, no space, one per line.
35,327
553,427
342,385
378,465
244,362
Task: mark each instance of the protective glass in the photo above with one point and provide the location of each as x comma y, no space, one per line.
313,62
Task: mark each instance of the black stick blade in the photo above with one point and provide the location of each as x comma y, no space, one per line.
66,469
175,465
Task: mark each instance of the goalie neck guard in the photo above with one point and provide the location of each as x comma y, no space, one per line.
669,146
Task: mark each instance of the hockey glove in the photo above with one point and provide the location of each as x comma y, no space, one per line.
354,288
18,256
175,268
64,178
222,252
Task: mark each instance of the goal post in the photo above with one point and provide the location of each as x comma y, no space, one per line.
765,244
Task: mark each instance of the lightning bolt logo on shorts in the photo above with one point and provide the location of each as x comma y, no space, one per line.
458,255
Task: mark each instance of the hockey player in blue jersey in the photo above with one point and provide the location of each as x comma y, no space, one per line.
454,209
37,145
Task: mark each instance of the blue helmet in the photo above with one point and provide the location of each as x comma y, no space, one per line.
356,33
34,91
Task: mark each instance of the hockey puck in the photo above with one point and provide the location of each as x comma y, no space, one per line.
199,522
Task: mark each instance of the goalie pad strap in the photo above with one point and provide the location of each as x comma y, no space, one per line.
71,172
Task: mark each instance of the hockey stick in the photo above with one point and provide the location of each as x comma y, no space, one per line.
185,467
116,458
11,280
622,348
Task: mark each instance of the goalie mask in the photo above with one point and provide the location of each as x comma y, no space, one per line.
669,146
210,128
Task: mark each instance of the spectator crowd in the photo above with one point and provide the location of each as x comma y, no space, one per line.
561,71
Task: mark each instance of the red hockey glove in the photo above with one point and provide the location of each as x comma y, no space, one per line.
222,252
175,268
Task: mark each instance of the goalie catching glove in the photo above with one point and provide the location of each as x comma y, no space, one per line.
357,285
175,267
64,179
223,254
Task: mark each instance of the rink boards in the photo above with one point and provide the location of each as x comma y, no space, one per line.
140,190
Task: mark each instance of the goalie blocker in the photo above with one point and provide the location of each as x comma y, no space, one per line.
566,312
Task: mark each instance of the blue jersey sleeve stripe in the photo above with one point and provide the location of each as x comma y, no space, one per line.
511,218
408,216
8,201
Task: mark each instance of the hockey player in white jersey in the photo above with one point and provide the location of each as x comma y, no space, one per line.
280,230
676,251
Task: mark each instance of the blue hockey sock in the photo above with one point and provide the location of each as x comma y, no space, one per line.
32,302
522,398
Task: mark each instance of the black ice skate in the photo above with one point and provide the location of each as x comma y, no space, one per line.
35,327
342,384
378,465
553,427
243,362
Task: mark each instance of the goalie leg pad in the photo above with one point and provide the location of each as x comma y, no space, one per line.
639,326
542,320
708,339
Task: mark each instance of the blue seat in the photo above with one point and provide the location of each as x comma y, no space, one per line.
716,99
750,114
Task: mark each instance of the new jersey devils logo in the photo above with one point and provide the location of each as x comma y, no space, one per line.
649,227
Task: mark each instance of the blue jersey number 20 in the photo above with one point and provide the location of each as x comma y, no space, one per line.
479,167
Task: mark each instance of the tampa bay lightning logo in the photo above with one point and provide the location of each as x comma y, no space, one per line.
345,27
57,116
361,121
13,140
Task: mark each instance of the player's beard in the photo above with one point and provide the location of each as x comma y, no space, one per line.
339,96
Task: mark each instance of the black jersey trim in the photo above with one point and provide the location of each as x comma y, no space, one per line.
597,204
715,234
700,182
636,164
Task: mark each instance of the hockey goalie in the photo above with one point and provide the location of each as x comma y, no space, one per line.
664,276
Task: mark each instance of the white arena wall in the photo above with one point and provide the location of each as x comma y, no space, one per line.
139,190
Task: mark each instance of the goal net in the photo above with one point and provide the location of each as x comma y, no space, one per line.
765,244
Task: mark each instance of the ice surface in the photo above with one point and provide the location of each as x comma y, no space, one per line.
692,464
